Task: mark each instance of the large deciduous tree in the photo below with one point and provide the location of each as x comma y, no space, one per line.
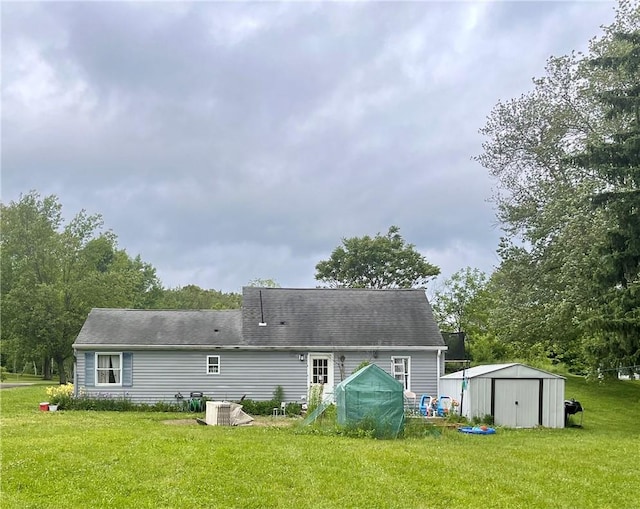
53,273
565,160
460,304
383,261
465,303
264,283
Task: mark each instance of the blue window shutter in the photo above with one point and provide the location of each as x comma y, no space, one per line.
89,369
127,369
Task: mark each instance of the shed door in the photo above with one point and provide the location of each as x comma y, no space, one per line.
516,402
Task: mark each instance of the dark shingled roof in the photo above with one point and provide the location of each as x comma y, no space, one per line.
161,327
310,318
338,317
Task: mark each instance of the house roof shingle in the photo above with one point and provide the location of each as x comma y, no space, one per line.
312,318
161,327
318,317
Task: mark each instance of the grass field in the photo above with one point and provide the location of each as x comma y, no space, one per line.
107,459
12,378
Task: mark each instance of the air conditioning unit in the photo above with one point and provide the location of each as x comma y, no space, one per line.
218,413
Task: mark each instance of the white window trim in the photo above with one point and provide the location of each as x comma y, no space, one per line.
408,373
207,368
98,384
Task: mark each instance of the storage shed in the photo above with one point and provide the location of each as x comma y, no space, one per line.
515,395
371,396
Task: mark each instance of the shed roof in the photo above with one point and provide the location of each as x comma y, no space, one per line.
509,370
320,317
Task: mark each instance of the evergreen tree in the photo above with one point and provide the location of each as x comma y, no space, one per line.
616,160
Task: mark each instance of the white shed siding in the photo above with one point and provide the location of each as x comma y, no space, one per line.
160,375
553,403
494,389
477,396
481,397
450,387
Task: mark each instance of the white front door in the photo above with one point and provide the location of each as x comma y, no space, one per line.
320,372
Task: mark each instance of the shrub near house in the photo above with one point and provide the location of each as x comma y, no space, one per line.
60,395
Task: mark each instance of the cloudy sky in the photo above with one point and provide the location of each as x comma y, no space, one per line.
230,141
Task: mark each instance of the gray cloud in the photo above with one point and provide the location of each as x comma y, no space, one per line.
228,141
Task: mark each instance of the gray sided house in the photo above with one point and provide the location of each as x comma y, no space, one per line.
291,338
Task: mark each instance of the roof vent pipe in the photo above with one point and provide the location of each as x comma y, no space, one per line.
262,322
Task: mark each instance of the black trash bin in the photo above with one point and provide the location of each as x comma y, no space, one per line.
196,402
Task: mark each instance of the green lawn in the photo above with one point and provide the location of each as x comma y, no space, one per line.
103,459
12,378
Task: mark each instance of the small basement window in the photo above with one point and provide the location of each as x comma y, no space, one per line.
213,364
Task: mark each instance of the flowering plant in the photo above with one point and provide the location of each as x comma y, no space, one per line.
60,394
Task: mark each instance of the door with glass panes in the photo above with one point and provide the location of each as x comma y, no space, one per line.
320,372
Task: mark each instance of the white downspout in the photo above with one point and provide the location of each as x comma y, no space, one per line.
438,373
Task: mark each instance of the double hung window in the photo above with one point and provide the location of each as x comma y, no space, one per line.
213,364
108,369
400,368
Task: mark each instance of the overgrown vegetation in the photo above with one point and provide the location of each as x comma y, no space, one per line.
62,395
121,404
485,419
416,427
278,394
253,407
363,364
327,425
314,399
108,403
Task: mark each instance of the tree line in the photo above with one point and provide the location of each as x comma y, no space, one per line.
54,272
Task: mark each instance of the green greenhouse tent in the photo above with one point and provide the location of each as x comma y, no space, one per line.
371,399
